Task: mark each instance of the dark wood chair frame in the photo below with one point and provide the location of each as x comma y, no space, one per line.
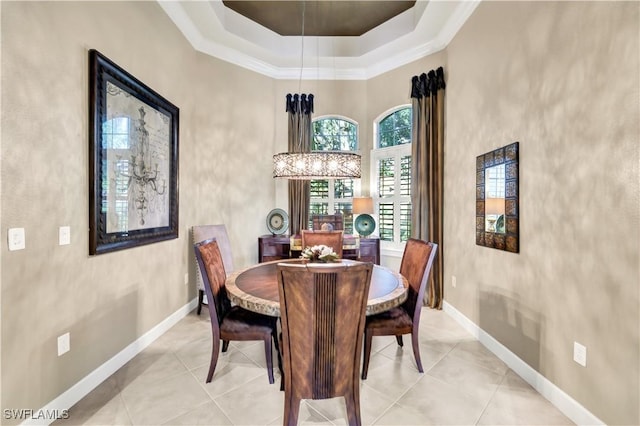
333,239
416,265
258,327
322,316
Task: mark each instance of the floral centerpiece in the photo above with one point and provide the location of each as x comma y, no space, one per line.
319,253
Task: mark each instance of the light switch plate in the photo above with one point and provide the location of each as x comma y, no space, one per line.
16,239
64,344
64,235
580,354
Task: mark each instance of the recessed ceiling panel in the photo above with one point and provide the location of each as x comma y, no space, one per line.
321,18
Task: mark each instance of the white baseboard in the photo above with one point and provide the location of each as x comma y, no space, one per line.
78,391
567,405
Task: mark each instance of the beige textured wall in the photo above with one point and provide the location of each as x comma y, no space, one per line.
48,289
563,79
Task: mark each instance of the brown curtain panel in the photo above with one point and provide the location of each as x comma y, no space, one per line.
300,110
427,171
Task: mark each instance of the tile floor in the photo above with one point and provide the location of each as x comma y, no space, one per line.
463,384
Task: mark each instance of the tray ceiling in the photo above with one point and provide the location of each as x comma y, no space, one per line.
352,40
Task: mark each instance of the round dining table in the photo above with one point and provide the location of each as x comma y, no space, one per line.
256,288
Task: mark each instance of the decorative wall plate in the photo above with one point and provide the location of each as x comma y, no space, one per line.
364,224
277,221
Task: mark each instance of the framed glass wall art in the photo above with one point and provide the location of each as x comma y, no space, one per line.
133,160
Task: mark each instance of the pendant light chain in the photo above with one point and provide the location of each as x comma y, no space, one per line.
304,6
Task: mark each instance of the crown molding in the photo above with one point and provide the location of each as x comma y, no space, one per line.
222,33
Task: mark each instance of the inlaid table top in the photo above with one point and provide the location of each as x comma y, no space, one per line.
256,288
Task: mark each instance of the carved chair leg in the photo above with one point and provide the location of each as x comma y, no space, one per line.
416,351
291,410
214,358
353,409
368,337
200,300
269,357
399,340
280,366
225,345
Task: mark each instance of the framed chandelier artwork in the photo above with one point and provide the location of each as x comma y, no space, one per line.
133,160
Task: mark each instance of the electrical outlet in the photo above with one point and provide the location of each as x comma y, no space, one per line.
16,239
186,278
580,354
64,235
453,281
64,344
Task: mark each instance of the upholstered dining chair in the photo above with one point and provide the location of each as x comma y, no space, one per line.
322,311
331,239
219,232
415,266
227,322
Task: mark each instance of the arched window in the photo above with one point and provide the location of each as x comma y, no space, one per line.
391,173
331,196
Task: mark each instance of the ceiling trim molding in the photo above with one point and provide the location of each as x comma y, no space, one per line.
447,16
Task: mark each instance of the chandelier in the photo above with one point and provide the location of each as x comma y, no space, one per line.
317,165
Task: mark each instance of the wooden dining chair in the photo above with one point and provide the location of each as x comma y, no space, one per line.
322,310
230,322
331,239
219,232
416,264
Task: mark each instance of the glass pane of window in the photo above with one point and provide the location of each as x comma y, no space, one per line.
343,188
334,134
347,215
386,177
405,175
319,188
315,208
405,221
385,219
395,128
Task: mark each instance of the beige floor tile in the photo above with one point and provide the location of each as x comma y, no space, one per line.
397,415
391,377
467,376
517,403
148,367
463,384
207,414
196,354
431,351
306,416
441,403
154,404
255,352
476,352
102,406
234,369
255,402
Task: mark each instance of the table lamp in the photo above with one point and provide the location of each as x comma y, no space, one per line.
493,208
364,223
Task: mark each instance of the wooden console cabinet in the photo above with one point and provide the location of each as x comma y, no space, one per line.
276,247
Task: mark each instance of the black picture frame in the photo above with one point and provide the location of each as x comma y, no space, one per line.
133,160
509,240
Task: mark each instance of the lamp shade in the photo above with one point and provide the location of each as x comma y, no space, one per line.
362,205
494,206
317,165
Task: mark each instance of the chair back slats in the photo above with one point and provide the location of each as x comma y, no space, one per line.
324,331
417,260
